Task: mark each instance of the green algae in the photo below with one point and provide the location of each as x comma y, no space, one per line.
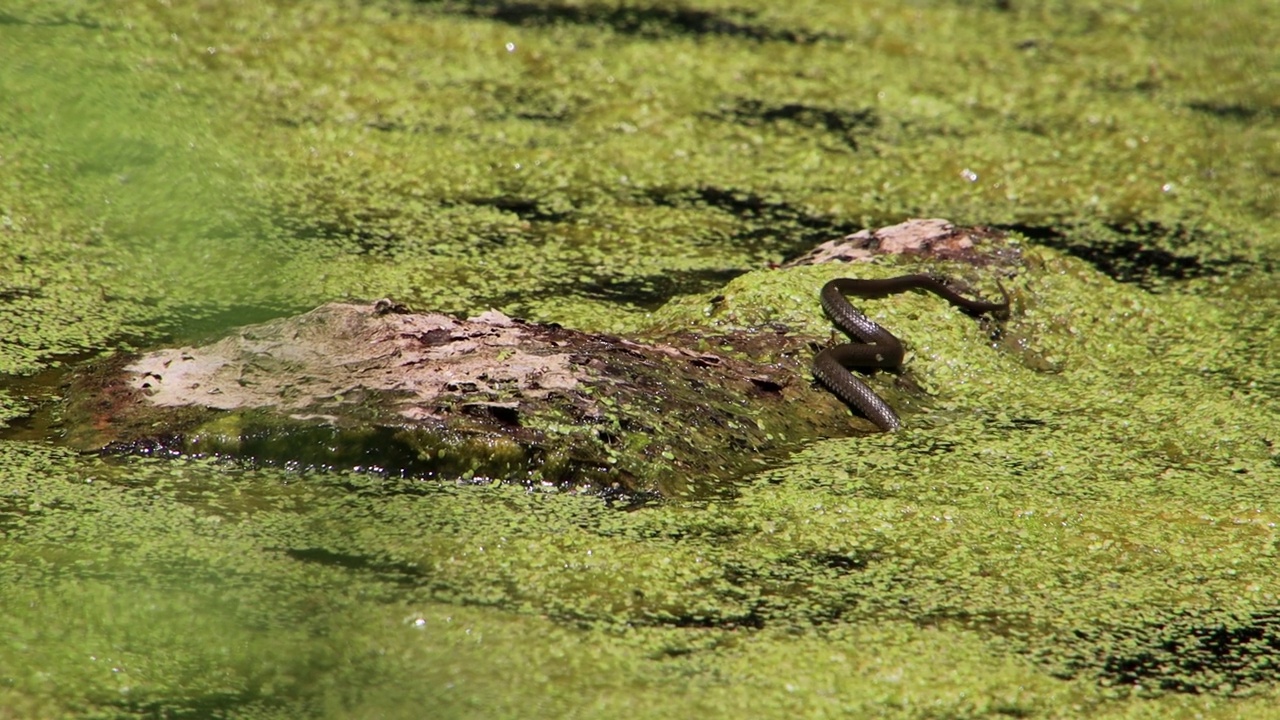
1103,545
567,186
1071,521
186,587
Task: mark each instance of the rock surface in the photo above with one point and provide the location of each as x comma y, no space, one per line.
925,237
306,364
375,386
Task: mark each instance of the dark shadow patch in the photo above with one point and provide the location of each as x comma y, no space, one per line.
805,588
623,500
844,124
996,5
9,293
200,707
37,396
532,104
524,208
1189,653
543,116
517,101
645,21
841,563
503,413
1237,112
1139,253
378,122
56,20
377,231
391,571
648,291
767,223
770,226
357,233
751,619
382,451
1019,423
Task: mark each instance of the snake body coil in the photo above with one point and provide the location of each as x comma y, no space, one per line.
878,348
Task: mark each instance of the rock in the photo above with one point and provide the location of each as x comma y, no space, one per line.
931,237
376,387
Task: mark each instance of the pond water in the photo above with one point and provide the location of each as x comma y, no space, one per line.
1079,521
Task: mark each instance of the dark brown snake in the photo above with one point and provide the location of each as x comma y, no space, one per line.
878,348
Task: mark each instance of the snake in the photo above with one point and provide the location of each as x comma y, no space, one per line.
877,347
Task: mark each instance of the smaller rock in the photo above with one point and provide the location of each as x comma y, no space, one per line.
932,237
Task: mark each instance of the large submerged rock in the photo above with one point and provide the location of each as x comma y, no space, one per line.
375,386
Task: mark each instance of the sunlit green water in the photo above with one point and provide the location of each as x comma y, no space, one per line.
1099,540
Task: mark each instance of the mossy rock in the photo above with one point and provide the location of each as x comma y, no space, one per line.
708,393
374,386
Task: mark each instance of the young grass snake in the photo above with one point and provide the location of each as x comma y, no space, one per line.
878,348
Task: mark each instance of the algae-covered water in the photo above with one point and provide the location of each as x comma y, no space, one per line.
1078,520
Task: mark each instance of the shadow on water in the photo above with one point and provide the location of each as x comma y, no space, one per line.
652,22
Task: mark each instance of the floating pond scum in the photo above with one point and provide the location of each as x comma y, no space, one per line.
1077,518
